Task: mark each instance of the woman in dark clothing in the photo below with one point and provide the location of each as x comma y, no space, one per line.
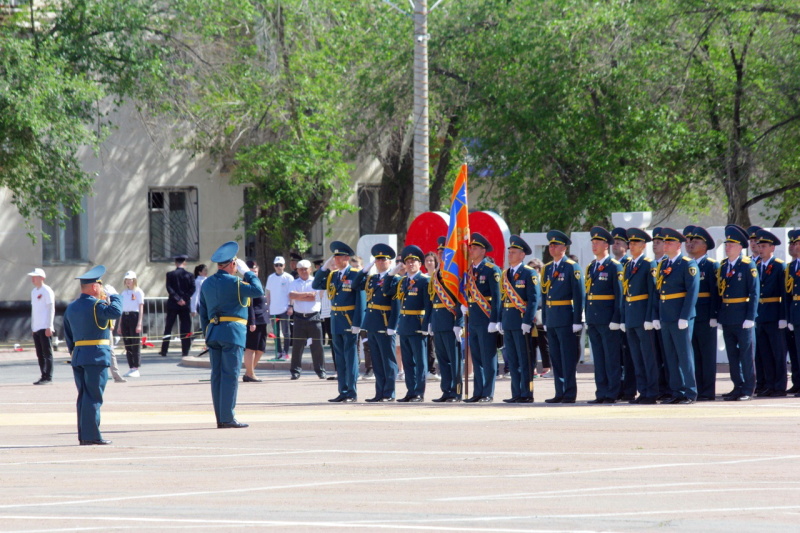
256,340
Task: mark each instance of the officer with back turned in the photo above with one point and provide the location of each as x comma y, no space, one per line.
562,314
87,331
520,292
483,290
223,308
342,282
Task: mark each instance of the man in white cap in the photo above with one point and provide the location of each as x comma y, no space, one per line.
43,312
277,291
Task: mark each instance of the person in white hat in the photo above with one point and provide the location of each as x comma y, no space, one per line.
277,291
130,325
43,312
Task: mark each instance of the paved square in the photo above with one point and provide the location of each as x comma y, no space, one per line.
307,465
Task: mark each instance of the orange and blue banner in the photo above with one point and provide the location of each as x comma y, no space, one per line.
455,261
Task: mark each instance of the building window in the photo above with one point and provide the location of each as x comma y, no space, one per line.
368,208
174,223
68,238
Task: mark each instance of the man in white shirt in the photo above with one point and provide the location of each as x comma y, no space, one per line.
305,310
43,312
278,300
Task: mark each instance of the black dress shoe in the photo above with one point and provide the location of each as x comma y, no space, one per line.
553,400
338,399
439,400
764,394
486,399
373,400
609,400
452,400
162,354
322,376
416,399
626,397
294,376
248,379
472,400
100,442
404,399
794,389
515,399
525,400
596,400
778,394
646,401
349,400
234,424
744,398
670,400
331,378
386,400
705,399
43,381
567,400
685,401
636,400
663,397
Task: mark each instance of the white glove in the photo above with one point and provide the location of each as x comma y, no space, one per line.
613,326
355,329
576,328
500,328
790,326
493,327
544,328
430,329
683,324
457,330
656,324
241,266
526,328
464,310
747,324
782,324
648,326
622,328
110,290
390,331
396,269
713,323
366,268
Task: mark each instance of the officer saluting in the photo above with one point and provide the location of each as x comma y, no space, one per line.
677,285
347,311
520,291
483,290
222,307
87,331
380,321
562,314
603,307
443,318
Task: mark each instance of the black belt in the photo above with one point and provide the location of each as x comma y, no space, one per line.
305,315
130,312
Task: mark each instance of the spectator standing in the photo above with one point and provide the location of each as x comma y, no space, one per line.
180,287
130,325
278,301
43,312
305,310
256,340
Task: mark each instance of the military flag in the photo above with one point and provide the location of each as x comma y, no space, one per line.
455,262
